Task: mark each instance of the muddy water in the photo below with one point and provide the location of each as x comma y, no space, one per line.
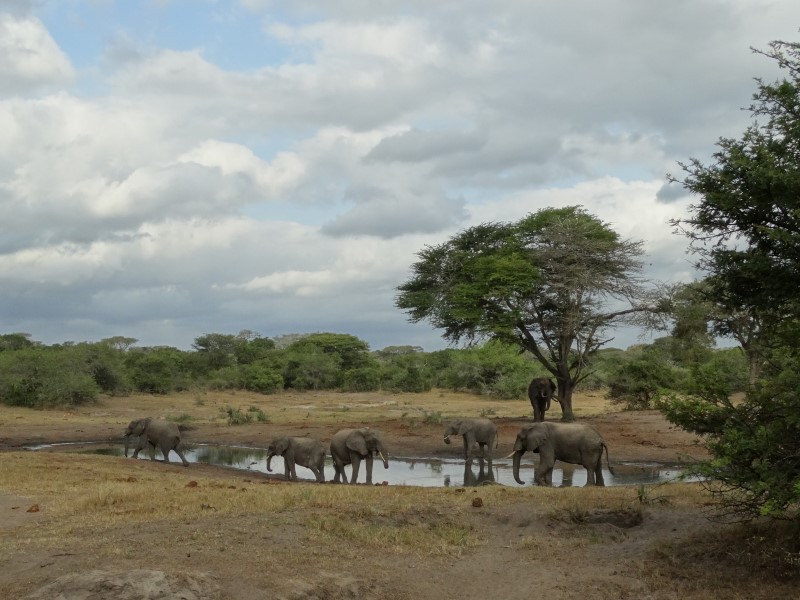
435,472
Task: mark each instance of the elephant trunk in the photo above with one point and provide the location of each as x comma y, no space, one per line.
517,457
447,439
269,460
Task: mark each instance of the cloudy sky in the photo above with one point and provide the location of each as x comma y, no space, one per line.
170,168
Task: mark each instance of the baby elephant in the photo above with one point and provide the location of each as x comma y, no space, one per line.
303,451
476,432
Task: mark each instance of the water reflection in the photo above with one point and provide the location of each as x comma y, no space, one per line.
423,471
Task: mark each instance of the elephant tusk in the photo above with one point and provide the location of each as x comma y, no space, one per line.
513,452
383,458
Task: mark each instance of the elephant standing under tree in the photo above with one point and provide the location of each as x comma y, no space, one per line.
480,432
163,434
574,443
350,446
303,451
540,392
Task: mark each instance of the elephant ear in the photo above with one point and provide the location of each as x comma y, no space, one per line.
535,437
281,445
138,427
356,442
464,427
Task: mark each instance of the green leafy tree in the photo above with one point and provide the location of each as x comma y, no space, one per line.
552,283
311,368
157,370
42,377
16,341
746,231
638,379
349,350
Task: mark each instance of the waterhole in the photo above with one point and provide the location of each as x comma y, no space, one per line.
427,472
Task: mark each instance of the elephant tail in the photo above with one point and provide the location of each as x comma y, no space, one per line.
608,460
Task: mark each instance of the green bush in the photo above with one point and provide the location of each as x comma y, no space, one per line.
44,377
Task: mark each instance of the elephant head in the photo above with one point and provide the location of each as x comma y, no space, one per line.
367,441
456,428
277,447
528,439
135,428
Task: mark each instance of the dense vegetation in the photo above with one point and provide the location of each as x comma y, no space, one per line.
35,375
745,229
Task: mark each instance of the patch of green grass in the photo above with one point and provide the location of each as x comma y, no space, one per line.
432,418
236,416
181,418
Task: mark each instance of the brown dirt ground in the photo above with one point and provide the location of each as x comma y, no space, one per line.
527,548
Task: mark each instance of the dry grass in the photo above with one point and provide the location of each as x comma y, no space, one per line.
291,407
102,493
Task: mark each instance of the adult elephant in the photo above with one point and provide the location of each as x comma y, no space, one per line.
351,446
475,432
163,434
574,443
540,392
304,451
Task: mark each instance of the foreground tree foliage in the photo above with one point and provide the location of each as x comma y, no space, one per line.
746,232
552,284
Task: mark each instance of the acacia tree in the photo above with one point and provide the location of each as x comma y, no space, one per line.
552,283
746,231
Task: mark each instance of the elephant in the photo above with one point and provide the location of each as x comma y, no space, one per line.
163,434
350,446
304,451
574,443
476,432
540,391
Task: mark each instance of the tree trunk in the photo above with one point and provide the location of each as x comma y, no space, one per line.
565,399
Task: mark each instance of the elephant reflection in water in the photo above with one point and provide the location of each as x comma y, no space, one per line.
484,476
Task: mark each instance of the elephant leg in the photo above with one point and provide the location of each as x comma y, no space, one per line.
293,470
287,473
545,471
165,452
466,447
369,469
152,450
355,463
181,456
597,471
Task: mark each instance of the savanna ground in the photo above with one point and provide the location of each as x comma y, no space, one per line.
91,527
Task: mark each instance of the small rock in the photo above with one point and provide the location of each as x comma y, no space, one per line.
192,484
33,508
477,502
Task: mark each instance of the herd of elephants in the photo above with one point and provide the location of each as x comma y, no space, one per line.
573,443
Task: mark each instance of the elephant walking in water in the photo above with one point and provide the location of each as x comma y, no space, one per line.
476,433
540,392
574,443
303,451
163,434
351,446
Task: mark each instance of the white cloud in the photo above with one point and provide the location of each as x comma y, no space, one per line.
290,192
30,60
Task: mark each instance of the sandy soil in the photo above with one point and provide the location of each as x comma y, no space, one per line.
526,548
